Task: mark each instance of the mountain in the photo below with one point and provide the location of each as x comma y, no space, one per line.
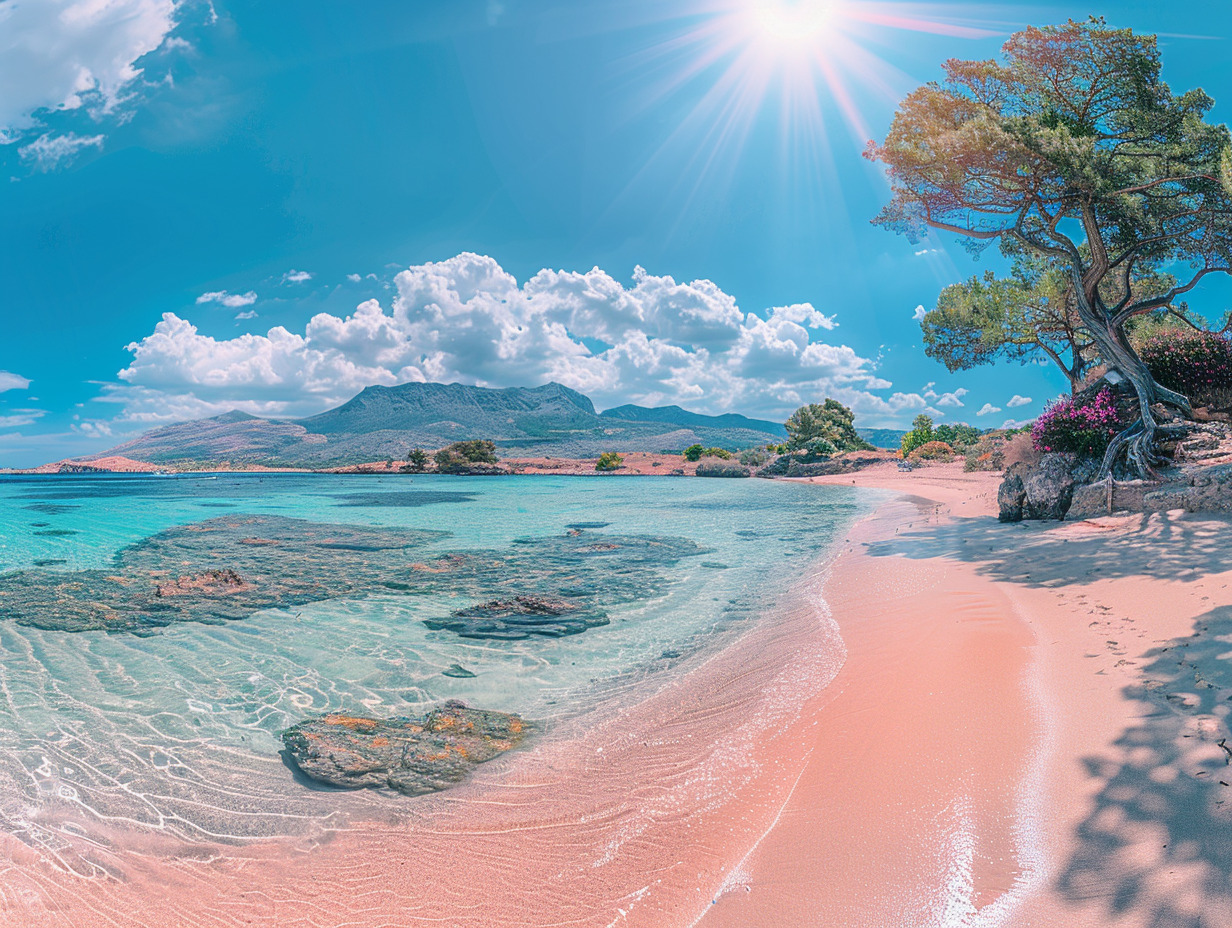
883,438
686,419
386,422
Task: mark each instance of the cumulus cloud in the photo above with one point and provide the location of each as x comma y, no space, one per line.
953,400
48,151
230,300
246,314
652,340
1017,400
93,428
295,277
988,409
354,278
68,54
919,313
11,381
1015,423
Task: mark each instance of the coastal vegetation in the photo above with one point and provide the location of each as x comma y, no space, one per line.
697,452
1073,150
463,456
608,461
823,429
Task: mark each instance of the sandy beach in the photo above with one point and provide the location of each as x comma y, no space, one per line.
1025,730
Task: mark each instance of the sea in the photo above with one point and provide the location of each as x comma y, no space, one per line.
131,710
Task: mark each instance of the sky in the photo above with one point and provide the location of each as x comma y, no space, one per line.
268,206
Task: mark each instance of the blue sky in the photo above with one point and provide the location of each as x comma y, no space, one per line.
268,206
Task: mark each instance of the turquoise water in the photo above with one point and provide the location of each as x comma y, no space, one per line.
175,729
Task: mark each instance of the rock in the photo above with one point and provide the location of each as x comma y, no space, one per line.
457,670
722,469
522,616
1011,495
1049,488
1091,500
1201,489
411,755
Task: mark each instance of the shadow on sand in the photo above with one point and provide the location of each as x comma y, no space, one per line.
1156,847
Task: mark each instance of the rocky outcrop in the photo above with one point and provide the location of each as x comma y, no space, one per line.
1200,489
722,469
1108,496
410,755
1043,491
1011,495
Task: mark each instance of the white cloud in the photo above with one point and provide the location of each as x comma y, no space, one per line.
295,277
354,278
230,300
1016,401
919,313
66,54
654,341
11,381
988,409
246,314
953,400
20,417
48,152
1015,423
93,428
926,251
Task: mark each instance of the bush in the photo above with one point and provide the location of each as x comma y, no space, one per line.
959,436
417,459
753,458
1197,364
609,460
937,451
461,456
830,422
722,468
720,453
1078,425
986,454
693,453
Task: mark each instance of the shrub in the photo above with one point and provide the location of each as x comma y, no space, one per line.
830,421
462,455
937,451
1020,449
986,454
721,453
1197,364
693,453
959,436
1077,425
417,459
722,468
753,458
609,460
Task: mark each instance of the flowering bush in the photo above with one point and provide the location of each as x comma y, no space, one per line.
1197,364
1077,425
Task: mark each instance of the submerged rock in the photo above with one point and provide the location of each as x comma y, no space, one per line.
411,755
520,617
457,670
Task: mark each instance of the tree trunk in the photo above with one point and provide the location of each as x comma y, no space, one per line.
1138,442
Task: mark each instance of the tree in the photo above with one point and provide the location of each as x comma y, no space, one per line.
462,456
1073,148
609,460
957,436
417,458
921,434
693,453
1027,316
830,422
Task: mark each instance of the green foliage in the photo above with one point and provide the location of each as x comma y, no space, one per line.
921,433
462,455
722,453
693,453
753,457
609,460
721,468
417,458
824,429
959,436
1082,425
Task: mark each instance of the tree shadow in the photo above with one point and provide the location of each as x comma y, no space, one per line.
1159,546
1157,844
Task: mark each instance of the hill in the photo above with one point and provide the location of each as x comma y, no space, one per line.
385,422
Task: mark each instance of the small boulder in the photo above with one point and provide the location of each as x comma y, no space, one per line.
1049,488
411,755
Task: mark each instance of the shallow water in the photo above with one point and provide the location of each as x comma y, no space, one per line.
173,731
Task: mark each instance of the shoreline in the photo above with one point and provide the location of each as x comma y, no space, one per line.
1004,736
1131,633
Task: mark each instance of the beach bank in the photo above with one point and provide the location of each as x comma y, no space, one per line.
1080,678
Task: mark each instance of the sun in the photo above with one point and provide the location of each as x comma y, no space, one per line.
790,24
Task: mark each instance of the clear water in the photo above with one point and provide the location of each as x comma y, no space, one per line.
177,732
